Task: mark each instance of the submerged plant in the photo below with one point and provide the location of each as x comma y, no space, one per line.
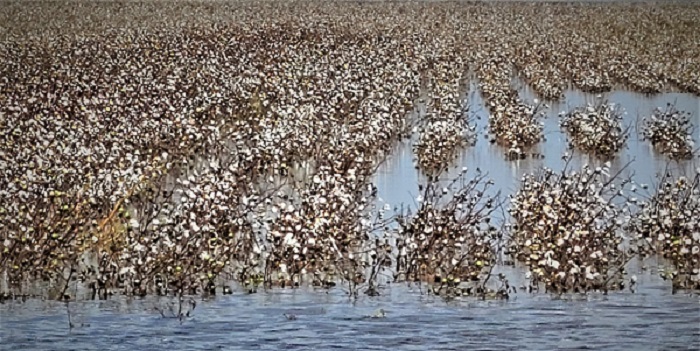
217,145
450,241
596,128
438,144
670,131
567,228
668,223
514,123
446,127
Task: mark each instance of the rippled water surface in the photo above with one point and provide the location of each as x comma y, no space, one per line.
651,319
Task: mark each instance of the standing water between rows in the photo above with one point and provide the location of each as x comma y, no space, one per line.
650,318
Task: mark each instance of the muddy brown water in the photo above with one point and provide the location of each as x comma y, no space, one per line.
651,318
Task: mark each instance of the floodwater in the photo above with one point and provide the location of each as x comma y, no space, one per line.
398,179
652,318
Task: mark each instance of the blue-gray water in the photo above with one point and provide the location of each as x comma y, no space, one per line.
398,179
651,319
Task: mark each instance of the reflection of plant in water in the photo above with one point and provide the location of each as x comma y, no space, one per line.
450,240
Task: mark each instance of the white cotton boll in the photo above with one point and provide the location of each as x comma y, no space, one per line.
126,270
288,238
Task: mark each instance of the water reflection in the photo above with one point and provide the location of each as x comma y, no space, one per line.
652,318
398,179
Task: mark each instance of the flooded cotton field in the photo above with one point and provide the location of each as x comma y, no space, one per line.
245,175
